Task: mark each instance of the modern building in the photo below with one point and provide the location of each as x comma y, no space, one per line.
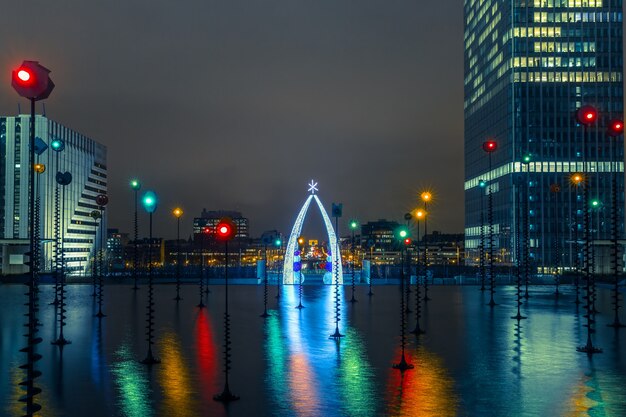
116,242
85,159
529,65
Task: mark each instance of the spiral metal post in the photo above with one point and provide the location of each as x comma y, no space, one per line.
61,340
577,267
135,248
37,248
589,348
614,241
403,365
57,243
557,244
425,264
264,315
94,265
226,396
336,335
28,398
100,314
418,306
492,281
150,359
481,243
201,282
518,267
526,235
177,298
352,252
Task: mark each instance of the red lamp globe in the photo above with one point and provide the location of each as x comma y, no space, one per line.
225,229
587,115
616,127
490,146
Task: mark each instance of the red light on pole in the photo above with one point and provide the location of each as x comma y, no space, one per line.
226,229
616,127
490,146
587,115
31,80
407,241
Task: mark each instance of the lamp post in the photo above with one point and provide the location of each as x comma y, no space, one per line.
419,215
31,80
426,198
225,231
402,234
178,213
481,244
95,215
149,202
615,130
353,225
63,179
576,179
135,185
278,242
268,238
490,147
101,202
57,145
587,116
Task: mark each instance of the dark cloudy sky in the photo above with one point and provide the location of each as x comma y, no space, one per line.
239,103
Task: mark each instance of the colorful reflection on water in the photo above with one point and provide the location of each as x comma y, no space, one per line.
426,390
132,383
176,383
206,351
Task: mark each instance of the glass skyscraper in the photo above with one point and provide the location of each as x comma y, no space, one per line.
529,65
84,158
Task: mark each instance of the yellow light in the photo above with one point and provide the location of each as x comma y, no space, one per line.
576,178
419,214
40,168
426,196
177,212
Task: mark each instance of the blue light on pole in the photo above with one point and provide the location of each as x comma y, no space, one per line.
149,201
57,145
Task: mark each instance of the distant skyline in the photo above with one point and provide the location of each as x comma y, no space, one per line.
239,104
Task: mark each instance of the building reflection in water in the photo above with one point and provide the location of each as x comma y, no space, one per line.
132,383
173,375
424,391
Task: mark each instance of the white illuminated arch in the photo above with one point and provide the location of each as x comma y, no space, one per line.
288,274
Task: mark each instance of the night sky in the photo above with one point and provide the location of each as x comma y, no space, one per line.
238,104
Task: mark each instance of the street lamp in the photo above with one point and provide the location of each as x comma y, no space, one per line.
419,215
407,289
586,116
58,145
518,182
555,190
615,130
402,234
135,185
278,243
353,226
426,198
298,268
178,213
337,212
31,80
225,231
149,202
204,230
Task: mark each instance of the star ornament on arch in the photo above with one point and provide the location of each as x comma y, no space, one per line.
313,187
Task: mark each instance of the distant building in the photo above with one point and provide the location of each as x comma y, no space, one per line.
211,218
116,242
84,158
146,248
444,249
380,235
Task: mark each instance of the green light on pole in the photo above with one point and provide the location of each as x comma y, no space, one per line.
278,242
149,201
135,185
527,158
595,203
354,224
402,233
482,183
57,145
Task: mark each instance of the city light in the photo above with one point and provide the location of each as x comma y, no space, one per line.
595,203
177,212
616,127
225,229
149,201
420,214
490,146
354,224
527,158
426,196
134,184
24,75
576,178
57,145
586,115
482,183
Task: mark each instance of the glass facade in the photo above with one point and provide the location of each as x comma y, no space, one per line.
529,65
83,157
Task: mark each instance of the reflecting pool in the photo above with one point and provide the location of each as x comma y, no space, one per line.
472,361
